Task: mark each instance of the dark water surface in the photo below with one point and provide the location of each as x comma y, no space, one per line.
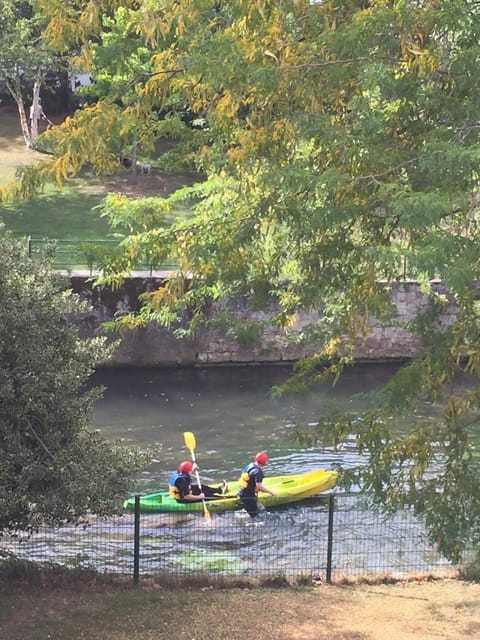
231,412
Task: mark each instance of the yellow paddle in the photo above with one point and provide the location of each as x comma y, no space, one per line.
191,444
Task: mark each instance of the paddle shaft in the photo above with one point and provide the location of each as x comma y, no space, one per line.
190,441
197,475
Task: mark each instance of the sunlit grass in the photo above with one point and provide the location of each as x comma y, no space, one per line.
13,151
70,213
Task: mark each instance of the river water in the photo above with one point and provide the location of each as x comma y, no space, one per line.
233,415
231,412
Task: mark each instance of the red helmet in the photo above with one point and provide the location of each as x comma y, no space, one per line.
261,458
185,467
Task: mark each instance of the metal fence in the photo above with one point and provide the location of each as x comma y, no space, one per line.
93,254
90,255
331,538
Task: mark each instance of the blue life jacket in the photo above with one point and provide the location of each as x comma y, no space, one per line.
173,489
248,480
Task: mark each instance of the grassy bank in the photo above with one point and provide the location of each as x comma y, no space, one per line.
98,611
70,213
56,213
13,152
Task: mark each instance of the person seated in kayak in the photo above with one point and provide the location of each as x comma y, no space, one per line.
251,482
180,485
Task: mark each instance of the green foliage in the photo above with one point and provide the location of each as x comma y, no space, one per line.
18,570
12,568
52,468
245,331
472,572
22,46
25,59
340,146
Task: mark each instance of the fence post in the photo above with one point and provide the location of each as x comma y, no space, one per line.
331,509
29,246
136,541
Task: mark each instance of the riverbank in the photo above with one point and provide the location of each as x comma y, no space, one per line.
154,345
71,215
447,609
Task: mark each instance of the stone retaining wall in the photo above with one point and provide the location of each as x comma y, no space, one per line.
156,346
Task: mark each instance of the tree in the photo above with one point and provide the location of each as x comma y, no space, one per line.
24,60
52,468
340,143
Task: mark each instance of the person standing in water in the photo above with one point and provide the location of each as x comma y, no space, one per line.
251,482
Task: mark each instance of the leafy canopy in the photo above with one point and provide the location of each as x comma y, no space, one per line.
52,468
340,145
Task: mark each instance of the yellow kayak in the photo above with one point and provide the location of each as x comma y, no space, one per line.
287,488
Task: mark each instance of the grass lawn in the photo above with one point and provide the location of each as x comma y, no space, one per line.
70,213
13,152
66,214
446,609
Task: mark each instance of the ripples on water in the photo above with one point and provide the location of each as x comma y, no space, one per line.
290,542
232,414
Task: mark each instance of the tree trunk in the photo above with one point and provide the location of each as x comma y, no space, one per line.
24,125
36,110
15,89
29,126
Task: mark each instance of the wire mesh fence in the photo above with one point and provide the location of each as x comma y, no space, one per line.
90,255
332,538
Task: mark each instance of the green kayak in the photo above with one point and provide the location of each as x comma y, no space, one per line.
287,488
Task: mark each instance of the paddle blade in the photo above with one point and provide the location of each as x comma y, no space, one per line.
190,441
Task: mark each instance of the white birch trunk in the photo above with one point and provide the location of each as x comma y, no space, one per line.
14,88
29,126
36,110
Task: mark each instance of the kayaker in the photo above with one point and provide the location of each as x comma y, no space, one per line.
180,484
251,482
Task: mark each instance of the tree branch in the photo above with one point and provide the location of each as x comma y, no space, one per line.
155,73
